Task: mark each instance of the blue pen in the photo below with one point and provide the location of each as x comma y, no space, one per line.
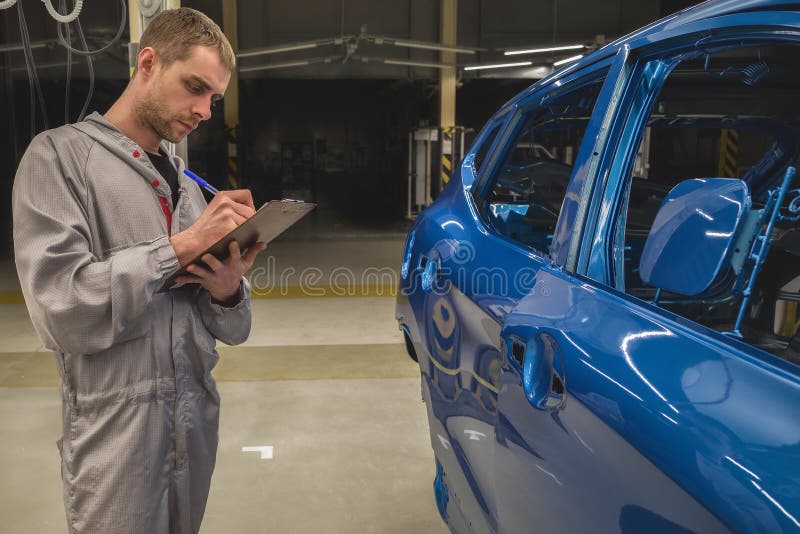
202,183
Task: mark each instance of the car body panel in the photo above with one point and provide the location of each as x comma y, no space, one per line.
557,402
678,395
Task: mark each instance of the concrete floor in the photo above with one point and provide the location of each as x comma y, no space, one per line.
324,380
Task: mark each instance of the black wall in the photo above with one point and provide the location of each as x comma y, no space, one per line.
343,142
8,157
336,131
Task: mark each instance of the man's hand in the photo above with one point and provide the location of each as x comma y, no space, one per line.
226,211
222,278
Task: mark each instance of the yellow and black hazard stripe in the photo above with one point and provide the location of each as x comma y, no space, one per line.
233,163
447,158
728,154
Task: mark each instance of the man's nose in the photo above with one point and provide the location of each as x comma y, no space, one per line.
202,109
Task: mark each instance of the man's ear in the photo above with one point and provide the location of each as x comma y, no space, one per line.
146,61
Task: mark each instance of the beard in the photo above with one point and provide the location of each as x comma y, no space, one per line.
153,114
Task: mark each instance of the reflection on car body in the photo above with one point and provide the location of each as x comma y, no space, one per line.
604,300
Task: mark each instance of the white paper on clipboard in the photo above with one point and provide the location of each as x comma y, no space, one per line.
266,224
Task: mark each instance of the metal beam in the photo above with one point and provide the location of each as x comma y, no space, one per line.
447,91
447,76
231,28
135,27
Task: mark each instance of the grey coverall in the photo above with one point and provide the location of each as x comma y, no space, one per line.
140,407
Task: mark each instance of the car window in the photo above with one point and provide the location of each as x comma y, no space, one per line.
732,114
486,141
528,185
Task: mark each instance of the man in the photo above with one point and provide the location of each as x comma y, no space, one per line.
102,218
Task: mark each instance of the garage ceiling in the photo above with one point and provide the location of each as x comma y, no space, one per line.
492,25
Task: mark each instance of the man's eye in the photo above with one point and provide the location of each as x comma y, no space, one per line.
194,89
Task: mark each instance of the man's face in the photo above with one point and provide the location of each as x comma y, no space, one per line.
181,95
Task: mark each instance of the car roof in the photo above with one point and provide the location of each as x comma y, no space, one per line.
703,11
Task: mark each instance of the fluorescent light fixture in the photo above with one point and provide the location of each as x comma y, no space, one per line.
568,60
499,65
544,50
277,49
274,66
424,64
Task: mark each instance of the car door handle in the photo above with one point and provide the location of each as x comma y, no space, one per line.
541,363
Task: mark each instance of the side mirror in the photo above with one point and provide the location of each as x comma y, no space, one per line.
694,234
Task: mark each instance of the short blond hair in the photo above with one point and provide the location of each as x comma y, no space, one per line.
174,32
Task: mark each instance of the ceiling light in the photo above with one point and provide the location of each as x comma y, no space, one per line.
568,60
499,65
543,50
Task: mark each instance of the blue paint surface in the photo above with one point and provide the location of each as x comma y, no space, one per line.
557,402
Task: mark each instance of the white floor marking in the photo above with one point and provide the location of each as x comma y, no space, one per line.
265,450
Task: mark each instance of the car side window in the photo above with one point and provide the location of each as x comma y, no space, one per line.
486,142
534,167
729,114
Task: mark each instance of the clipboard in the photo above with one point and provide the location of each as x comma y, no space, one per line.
271,220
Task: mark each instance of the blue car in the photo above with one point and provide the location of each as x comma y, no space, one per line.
607,326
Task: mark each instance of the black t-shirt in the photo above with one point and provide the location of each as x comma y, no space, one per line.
164,166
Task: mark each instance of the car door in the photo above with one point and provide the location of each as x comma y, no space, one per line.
582,394
617,415
471,257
